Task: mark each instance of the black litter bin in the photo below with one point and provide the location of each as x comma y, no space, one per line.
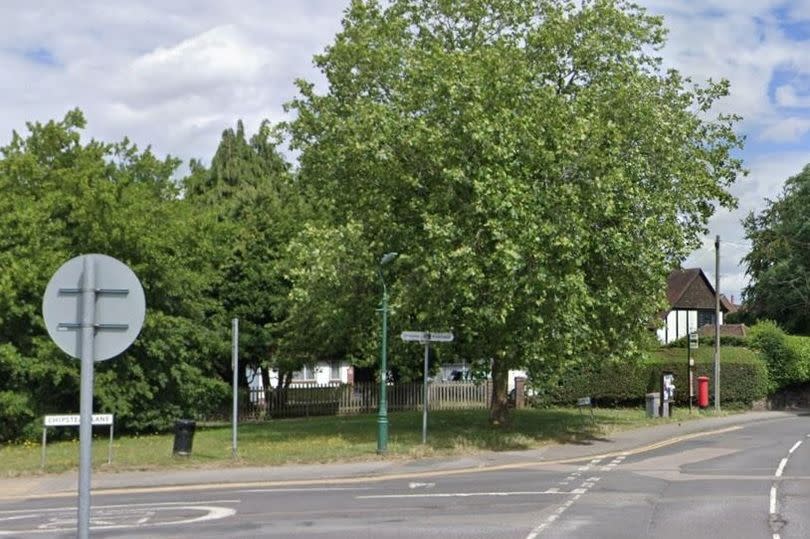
183,436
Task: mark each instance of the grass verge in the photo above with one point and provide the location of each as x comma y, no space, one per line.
332,439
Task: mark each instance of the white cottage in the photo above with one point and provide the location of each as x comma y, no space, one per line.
692,304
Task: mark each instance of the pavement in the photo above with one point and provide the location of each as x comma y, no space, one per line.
625,442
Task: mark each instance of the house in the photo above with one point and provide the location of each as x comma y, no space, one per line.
321,373
692,301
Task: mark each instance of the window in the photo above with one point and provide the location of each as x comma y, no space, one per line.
306,374
704,318
334,371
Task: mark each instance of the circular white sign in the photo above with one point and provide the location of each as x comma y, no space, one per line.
120,306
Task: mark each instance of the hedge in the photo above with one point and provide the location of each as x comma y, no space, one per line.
744,378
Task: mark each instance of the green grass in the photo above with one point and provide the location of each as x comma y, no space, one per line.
332,439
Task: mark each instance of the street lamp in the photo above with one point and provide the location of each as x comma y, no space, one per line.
382,417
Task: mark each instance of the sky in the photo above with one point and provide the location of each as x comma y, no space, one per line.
174,74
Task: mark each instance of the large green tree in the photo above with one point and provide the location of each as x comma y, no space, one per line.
63,197
536,167
779,260
248,190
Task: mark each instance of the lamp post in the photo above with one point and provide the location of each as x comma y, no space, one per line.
382,417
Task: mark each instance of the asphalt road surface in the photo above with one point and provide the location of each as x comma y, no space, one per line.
746,482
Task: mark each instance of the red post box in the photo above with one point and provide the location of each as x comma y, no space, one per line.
703,391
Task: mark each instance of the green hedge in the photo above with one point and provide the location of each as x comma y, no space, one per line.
744,378
708,341
743,373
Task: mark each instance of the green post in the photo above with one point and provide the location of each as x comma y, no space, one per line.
382,418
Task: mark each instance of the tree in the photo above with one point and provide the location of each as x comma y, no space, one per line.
249,191
62,198
534,164
779,261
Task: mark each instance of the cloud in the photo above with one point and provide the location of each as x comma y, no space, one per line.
170,75
787,130
768,172
786,96
221,59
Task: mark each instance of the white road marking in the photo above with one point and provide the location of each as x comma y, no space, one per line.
795,446
65,521
282,490
459,494
577,492
781,467
779,470
100,507
421,485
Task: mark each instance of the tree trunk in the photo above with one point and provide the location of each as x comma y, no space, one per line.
499,405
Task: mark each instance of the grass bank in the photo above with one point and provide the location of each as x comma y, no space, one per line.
331,439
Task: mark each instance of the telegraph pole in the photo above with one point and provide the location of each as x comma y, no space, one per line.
717,323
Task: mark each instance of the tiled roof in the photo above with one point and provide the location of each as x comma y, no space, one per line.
691,289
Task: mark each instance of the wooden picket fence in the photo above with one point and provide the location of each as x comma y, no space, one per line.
305,399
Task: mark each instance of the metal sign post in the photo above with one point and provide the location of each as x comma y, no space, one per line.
93,308
88,332
425,338
692,342
235,365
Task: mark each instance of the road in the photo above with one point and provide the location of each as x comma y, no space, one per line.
744,482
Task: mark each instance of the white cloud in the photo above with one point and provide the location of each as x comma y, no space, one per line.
786,96
221,58
787,130
171,75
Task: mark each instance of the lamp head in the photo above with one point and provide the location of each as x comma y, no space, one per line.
387,257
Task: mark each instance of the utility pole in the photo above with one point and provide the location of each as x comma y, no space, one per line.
717,323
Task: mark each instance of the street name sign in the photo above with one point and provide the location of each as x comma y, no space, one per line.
425,336
74,420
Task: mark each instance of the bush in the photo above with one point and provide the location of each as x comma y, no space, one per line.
744,378
708,341
16,413
787,358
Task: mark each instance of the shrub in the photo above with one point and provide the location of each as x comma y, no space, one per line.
16,413
708,341
787,358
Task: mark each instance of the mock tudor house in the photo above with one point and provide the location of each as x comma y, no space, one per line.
692,300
